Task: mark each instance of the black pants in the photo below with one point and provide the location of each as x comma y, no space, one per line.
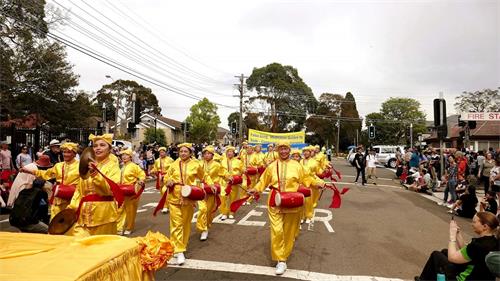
439,261
486,181
363,177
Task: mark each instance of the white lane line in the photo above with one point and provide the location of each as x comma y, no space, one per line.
269,271
4,220
349,176
368,185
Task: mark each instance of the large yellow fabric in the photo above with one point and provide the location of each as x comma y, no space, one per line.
206,207
130,173
180,172
284,222
232,167
94,214
26,256
71,177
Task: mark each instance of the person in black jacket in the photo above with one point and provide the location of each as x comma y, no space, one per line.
31,209
360,164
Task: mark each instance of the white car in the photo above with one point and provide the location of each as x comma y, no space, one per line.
122,143
386,154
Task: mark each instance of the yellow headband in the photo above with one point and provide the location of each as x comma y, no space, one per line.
229,147
210,149
162,148
283,143
295,151
106,137
186,145
245,142
127,151
70,146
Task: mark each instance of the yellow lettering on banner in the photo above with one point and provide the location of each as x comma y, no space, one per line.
255,136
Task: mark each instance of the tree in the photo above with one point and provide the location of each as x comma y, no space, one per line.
204,121
284,94
151,137
322,124
120,92
478,101
350,123
392,124
233,117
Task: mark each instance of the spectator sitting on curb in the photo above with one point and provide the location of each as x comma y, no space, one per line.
466,204
489,203
30,211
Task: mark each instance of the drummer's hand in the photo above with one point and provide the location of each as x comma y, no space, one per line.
170,183
322,186
141,183
252,191
92,169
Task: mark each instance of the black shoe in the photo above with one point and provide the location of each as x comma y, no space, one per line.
417,278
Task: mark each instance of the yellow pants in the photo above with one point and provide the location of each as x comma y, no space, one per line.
58,206
180,226
205,213
235,195
284,229
311,202
85,231
127,213
162,190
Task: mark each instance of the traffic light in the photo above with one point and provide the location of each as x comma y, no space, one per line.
136,116
471,124
131,127
371,132
461,123
439,112
233,128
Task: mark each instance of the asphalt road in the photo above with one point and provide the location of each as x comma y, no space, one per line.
381,230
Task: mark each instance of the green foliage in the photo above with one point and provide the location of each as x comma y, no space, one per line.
159,138
284,93
486,100
204,122
392,123
322,124
349,125
233,117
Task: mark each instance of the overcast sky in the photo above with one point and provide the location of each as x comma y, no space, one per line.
374,49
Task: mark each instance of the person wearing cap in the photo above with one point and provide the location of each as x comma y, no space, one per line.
54,152
250,161
183,171
233,167
160,169
271,155
295,155
130,173
207,206
243,150
311,168
94,199
284,175
65,173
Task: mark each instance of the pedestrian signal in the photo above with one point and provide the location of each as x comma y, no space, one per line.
371,132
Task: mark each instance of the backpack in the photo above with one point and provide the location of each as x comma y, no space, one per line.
27,207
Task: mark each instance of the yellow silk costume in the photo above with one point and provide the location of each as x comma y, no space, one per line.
206,207
311,168
232,167
130,173
189,172
270,157
71,177
250,160
161,166
97,217
284,221
322,160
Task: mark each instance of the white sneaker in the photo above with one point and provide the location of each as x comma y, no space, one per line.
181,259
231,216
301,221
120,232
280,268
173,260
127,232
449,206
223,218
450,211
164,210
204,235
442,203
308,220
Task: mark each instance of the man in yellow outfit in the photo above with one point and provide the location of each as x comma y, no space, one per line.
183,171
160,168
206,207
271,155
130,173
93,199
311,167
65,173
295,155
233,167
283,175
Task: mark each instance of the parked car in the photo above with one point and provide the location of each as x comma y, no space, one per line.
386,154
122,143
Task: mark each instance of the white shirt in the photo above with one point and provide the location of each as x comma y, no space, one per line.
370,161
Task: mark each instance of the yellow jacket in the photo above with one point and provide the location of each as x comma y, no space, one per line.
251,160
97,213
322,160
215,171
232,167
71,175
130,173
311,167
270,157
260,158
161,164
192,174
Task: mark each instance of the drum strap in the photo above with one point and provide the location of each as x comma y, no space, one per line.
117,192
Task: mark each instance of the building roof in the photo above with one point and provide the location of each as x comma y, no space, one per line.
483,129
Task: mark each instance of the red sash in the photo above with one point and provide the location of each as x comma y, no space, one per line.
117,193
93,198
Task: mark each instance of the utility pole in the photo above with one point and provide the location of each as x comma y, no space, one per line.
338,130
411,134
241,89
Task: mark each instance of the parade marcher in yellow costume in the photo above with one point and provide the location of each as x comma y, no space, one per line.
295,155
183,171
233,167
160,168
207,206
283,175
243,150
65,173
130,173
93,198
311,167
321,158
271,155
259,155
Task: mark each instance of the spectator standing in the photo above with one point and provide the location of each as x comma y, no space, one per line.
360,163
23,158
451,184
371,166
485,170
495,177
329,154
6,158
54,152
415,159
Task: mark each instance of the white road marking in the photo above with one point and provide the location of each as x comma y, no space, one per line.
349,176
245,221
269,271
141,210
368,185
7,220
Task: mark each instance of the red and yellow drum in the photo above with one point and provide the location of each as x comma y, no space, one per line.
304,190
209,189
289,199
64,191
328,173
261,170
252,171
127,189
193,192
236,180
